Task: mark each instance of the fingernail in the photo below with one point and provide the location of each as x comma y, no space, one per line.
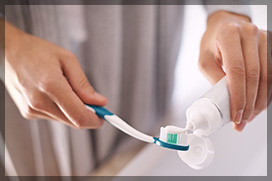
238,117
242,125
239,127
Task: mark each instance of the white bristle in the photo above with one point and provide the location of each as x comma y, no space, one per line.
180,132
163,134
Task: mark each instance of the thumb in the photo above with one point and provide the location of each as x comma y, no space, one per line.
79,82
210,68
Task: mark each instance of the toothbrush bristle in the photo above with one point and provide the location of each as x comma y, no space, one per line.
173,137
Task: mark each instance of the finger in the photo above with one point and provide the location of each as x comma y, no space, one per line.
250,46
79,81
210,68
43,105
239,127
22,103
59,90
28,108
261,100
40,115
229,44
32,114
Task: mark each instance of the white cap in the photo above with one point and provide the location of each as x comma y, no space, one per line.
200,153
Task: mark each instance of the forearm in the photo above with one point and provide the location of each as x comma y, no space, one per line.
10,38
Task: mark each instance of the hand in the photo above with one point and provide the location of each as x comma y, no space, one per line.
46,81
245,52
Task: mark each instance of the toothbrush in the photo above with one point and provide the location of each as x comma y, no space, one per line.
171,137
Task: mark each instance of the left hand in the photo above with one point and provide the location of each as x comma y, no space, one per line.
232,41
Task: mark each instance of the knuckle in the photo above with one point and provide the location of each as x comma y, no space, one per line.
253,75
250,28
70,55
36,104
47,85
84,83
227,30
202,65
237,71
231,27
27,113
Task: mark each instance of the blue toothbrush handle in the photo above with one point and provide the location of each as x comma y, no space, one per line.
119,123
100,111
123,126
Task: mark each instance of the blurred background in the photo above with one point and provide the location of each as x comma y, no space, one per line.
236,154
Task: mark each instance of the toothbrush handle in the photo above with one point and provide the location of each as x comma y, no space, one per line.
99,111
119,123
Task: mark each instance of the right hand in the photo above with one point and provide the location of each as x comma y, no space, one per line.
235,47
46,81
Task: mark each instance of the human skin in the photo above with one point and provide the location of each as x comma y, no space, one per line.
46,81
233,42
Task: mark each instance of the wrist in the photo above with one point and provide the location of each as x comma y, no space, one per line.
14,41
13,35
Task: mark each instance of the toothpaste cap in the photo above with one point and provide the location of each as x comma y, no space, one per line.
200,153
